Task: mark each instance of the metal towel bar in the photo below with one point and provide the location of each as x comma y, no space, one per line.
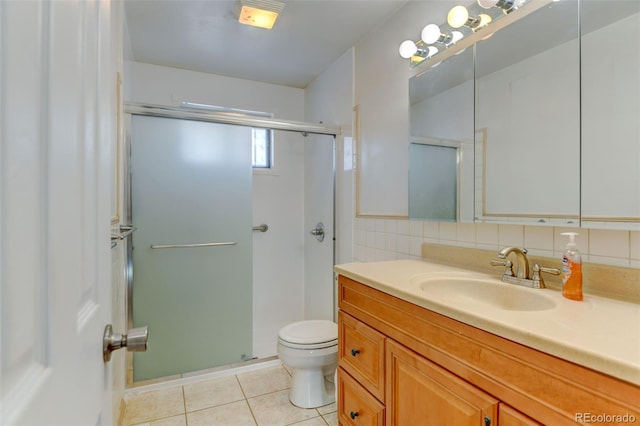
168,246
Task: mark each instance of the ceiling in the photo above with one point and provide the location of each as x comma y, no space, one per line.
202,35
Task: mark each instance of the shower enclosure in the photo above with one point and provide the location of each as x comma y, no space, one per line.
191,258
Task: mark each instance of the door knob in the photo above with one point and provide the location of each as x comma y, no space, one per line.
318,231
134,341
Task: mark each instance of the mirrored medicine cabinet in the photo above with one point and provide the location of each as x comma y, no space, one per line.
536,124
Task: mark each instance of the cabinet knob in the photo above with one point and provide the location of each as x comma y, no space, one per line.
355,352
353,415
487,421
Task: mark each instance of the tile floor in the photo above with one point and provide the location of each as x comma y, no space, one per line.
258,397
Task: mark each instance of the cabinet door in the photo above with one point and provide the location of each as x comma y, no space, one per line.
356,406
509,416
420,392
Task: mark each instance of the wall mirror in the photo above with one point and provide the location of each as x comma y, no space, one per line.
610,114
527,112
441,141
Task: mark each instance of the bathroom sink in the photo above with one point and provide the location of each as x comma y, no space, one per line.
463,289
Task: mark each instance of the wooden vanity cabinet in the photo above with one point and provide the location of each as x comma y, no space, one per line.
422,368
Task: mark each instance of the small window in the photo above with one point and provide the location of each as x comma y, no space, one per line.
261,148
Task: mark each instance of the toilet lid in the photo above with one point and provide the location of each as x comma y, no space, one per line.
309,332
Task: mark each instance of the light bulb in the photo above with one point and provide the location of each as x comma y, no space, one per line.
431,33
407,49
487,4
456,35
457,16
432,51
484,20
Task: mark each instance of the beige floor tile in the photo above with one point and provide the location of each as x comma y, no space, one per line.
266,380
331,418
180,420
233,414
274,409
154,405
316,421
326,409
211,393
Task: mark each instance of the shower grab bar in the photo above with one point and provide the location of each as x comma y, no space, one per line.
168,246
261,228
128,230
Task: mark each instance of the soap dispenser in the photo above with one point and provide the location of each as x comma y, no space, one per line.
571,269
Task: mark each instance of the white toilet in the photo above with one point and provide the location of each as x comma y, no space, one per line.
310,350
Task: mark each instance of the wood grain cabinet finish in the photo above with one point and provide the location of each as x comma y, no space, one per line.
508,416
361,353
356,406
443,372
420,392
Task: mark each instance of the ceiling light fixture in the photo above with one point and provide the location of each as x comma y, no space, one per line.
258,13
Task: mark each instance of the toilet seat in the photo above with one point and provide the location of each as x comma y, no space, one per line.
311,334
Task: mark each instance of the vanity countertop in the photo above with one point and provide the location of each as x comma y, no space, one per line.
598,333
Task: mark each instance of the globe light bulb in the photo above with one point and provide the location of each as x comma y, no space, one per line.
407,49
431,33
487,4
458,16
484,20
456,35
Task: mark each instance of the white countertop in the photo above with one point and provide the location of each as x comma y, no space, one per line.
599,333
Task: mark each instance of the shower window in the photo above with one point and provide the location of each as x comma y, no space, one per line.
261,148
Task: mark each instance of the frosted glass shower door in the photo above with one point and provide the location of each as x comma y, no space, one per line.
192,204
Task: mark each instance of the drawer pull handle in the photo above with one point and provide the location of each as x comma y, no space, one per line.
353,415
355,352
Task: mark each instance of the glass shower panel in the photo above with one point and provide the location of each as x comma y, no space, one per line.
192,204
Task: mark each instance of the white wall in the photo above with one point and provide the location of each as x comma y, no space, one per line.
278,255
328,99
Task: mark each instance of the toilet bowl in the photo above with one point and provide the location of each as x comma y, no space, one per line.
310,350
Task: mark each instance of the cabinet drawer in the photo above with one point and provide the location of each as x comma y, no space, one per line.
361,353
356,406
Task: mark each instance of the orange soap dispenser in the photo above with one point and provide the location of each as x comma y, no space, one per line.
571,269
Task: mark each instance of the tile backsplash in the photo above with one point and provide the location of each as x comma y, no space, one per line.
392,239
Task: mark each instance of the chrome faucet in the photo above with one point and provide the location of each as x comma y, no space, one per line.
522,267
521,276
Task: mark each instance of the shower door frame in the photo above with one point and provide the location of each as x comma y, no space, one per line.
131,108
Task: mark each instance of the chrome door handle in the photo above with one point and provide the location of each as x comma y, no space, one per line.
318,231
134,341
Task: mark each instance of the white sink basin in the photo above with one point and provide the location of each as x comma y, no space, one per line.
463,289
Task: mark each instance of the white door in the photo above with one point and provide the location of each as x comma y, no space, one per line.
57,129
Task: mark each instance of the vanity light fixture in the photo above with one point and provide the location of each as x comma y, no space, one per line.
507,6
474,19
258,13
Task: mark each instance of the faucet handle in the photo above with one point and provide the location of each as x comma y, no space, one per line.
538,282
506,263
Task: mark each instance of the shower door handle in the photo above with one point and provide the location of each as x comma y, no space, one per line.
168,246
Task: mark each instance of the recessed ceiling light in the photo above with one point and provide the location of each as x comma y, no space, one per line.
258,13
